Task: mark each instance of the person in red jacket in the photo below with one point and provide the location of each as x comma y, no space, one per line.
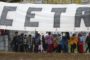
80,43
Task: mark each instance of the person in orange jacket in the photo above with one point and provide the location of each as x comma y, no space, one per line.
73,43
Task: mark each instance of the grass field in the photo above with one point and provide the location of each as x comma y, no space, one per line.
43,56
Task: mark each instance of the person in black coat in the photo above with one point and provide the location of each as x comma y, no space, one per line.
14,43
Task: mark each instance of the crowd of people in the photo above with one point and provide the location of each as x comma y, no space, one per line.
61,43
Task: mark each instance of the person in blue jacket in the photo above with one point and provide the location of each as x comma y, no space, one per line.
64,42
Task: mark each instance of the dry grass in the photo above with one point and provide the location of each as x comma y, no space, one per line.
43,56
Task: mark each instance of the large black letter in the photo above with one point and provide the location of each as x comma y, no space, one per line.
31,15
3,20
58,12
79,15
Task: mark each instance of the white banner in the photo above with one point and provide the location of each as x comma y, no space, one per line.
45,17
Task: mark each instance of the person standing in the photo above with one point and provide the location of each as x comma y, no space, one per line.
81,42
88,43
64,43
25,42
45,45
73,43
49,40
30,43
21,42
55,43
36,41
59,43
14,42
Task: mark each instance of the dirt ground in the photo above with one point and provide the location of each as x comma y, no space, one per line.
42,56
